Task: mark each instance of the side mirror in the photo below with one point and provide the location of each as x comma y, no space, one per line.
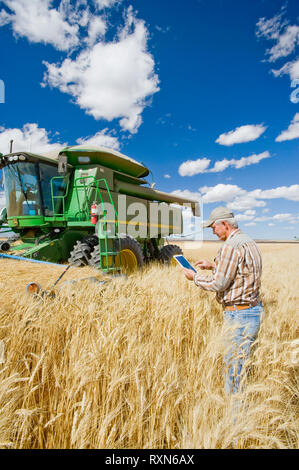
3,215
62,165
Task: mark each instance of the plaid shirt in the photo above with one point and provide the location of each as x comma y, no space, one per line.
237,272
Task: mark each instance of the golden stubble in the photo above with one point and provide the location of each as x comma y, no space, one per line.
137,362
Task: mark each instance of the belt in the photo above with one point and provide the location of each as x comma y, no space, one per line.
230,306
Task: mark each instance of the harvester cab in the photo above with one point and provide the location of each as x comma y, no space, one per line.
79,205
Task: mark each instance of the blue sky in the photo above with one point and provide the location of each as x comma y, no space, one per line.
203,92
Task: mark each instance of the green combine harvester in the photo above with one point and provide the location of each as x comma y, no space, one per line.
78,206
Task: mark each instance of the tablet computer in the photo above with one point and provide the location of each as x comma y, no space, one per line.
184,262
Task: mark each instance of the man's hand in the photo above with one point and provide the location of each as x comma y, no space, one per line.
189,273
204,264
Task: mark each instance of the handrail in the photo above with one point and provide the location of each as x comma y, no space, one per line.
58,197
103,235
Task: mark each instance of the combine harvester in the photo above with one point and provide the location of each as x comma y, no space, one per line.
74,207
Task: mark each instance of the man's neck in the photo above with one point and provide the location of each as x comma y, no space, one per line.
230,234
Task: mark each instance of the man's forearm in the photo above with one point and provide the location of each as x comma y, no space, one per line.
223,273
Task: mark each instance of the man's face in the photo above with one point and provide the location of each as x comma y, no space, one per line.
220,230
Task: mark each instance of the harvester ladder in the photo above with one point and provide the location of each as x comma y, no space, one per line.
106,243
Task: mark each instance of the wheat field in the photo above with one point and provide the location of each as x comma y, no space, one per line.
136,363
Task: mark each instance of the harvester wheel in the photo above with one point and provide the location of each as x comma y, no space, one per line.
131,255
80,256
167,252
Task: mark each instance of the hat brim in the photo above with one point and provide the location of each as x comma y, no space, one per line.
207,224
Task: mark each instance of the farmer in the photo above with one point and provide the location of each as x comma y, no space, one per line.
236,280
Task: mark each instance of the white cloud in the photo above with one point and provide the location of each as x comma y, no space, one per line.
270,29
38,22
111,80
286,39
282,217
240,163
30,138
242,217
33,139
286,43
194,167
291,218
242,202
221,192
167,176
245,202
290,68
75,11
252,159
96,29
239,199
187,194
263,219
250,224
250,212
4,18
286,36
163,30
248,215
290,193
220,165
102,138
241,134
292,132
106,3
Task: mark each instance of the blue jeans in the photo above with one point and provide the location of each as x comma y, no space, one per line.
242,330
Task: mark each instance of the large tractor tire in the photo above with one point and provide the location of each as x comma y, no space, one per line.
167,252
81,254
131,255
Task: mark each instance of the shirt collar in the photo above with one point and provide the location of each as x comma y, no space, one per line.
233,233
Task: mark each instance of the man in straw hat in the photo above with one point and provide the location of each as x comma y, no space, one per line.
236,279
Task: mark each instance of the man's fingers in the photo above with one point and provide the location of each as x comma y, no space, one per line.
200,263
203,264
189,274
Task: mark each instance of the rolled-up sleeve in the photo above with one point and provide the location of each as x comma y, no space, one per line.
223,273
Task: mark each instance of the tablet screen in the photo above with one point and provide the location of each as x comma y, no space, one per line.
184,262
